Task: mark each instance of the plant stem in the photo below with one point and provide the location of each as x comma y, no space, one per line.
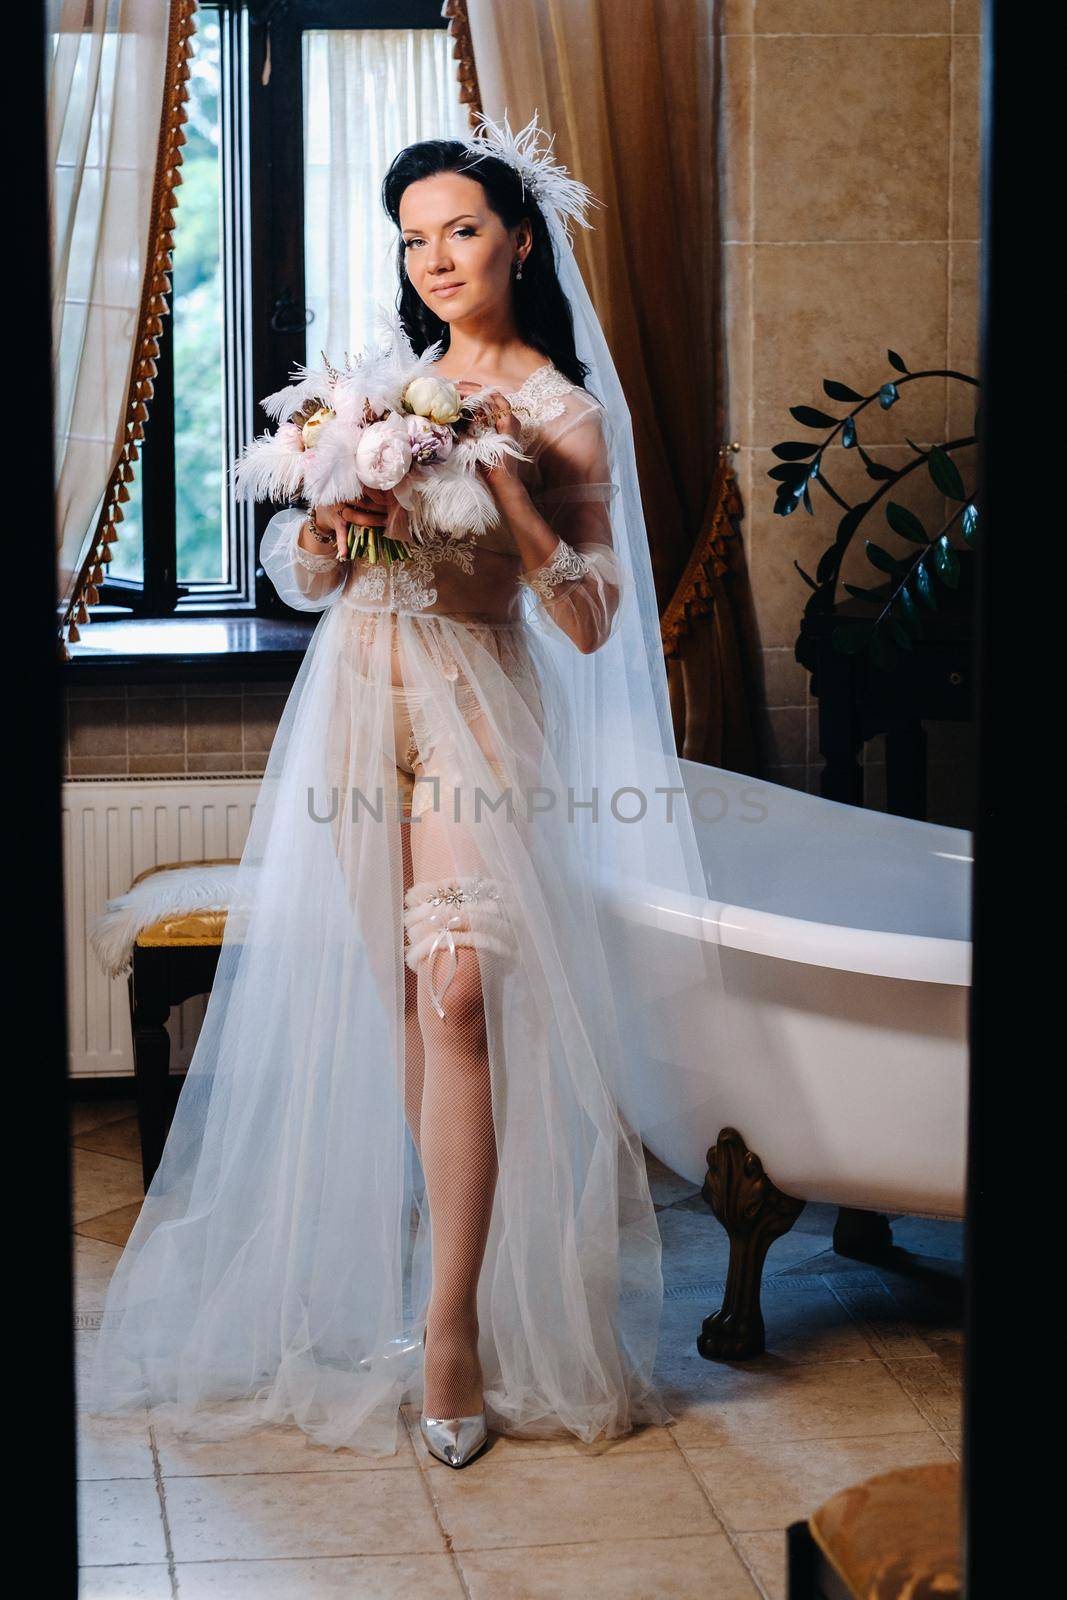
921,556
370,544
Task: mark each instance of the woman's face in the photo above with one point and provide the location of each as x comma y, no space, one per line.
452,237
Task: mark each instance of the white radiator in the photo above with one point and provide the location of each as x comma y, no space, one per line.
112,829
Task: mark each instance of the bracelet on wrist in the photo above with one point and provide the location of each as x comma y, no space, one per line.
316,531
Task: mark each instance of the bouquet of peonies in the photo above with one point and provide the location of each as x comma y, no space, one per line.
383,422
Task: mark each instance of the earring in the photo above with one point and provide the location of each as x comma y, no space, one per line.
518,269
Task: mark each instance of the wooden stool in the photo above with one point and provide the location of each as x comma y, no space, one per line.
172,960
891,1536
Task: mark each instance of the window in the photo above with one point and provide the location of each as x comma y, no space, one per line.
186,544
281,248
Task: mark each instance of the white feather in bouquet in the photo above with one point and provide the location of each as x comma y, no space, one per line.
308,383
325,452
452,499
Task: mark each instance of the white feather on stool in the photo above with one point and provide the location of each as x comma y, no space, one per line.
163,894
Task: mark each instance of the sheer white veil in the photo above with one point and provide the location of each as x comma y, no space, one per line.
639,843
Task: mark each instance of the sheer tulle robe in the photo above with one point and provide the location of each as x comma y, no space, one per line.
280,1269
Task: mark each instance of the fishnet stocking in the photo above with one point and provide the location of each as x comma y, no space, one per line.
457,1135
414,1054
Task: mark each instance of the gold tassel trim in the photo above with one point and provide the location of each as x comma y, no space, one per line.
463,54
158,283
695,594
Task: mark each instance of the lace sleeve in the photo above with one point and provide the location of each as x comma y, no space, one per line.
578,589
305,581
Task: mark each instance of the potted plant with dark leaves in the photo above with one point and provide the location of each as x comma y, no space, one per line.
891,617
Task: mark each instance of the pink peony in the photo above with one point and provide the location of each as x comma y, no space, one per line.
383,455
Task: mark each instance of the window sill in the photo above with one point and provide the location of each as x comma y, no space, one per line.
188,649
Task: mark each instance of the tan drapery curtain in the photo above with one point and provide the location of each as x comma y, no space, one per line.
115,104
630,92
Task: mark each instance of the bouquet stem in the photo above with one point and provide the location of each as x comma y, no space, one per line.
370,544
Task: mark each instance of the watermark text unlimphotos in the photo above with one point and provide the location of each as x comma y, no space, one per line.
630,803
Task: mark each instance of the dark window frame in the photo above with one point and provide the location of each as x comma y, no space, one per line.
264,320
159,593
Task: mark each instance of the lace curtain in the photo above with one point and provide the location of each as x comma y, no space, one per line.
367,93
105,96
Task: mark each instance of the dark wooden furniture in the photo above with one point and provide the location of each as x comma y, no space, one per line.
857,700
173,959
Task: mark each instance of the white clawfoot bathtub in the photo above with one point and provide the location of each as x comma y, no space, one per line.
840,1050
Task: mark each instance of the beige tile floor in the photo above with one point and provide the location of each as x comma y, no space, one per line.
861,1374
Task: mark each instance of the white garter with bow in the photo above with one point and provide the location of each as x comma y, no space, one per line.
442,914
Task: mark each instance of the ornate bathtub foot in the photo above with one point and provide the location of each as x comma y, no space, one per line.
864,1235
754,1214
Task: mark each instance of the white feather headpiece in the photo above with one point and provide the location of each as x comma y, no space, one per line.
556,192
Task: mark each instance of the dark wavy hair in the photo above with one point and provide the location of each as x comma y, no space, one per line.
542,310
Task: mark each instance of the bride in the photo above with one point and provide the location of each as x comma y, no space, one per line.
399,1168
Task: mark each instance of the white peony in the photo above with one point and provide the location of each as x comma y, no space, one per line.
311,427
436,398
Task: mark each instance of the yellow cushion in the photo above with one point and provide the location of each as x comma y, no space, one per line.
896,1535
194,928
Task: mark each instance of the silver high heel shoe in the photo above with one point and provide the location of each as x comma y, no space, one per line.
455,1440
